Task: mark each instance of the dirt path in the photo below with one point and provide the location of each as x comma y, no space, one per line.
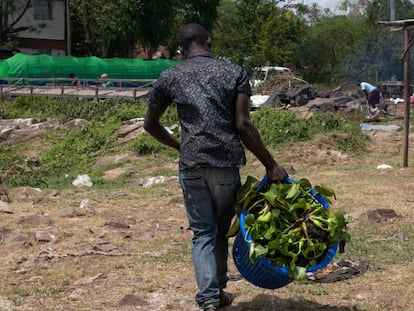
129,248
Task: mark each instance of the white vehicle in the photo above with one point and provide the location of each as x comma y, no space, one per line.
261,74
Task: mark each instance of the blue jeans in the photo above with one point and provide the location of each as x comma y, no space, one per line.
209,196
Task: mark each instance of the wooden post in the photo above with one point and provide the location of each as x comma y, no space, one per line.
406,98
404,25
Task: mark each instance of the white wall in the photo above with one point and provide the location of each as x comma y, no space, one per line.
53,52
55,29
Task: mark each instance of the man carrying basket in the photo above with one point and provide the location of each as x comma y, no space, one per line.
212,98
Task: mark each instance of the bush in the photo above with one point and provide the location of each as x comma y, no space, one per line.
278,127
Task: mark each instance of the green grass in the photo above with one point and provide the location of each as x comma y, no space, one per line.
74,151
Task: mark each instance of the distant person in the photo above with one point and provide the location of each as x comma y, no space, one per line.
104,76
372,96
74,79
372,93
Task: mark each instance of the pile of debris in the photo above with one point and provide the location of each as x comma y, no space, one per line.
285,90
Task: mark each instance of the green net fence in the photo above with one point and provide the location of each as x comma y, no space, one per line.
46,66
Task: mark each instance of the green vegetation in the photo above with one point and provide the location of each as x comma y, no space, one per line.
71,108
250,33
73,151
289,223
279,127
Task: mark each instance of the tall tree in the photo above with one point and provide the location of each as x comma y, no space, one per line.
323,56
156,19
203,12
281,33
191,11
113,27
257,33
105,28
381,49
238,29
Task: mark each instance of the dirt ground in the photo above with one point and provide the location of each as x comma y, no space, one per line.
129,248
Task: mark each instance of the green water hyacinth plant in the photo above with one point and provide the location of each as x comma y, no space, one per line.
289,223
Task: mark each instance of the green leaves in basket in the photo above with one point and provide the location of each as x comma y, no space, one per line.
288,225
325,192
244,194
297,273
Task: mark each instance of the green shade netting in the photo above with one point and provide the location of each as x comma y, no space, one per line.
46,66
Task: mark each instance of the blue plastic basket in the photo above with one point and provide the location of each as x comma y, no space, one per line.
262,272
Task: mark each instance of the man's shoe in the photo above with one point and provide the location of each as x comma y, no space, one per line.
225,298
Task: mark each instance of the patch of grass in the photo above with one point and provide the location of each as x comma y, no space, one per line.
69,108
14,290
277,127
376,242
74,151
281,127
147,145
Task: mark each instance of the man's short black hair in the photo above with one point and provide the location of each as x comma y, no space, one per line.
192,33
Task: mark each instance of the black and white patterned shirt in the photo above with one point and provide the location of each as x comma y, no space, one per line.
204,89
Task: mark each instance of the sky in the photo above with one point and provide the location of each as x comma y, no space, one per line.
330,4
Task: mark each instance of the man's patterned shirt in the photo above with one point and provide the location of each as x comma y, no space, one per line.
204,90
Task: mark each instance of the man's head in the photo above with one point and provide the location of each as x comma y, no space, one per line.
358,82
194,36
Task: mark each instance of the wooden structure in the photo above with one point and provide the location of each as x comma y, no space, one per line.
88,89
405,26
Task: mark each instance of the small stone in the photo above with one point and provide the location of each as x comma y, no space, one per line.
17,237
100,233
362,296
107,247
41,236
36,220
132,300
78,294
5,208
116,225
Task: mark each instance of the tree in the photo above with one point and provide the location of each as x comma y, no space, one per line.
11,12
341,46
238,29
225,37
114,27
201,12
156,19
381,49
105,28
323,55
280,35
191,11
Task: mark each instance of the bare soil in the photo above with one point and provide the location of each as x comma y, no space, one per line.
129,248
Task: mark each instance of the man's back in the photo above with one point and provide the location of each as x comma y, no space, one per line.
365,86
204,90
